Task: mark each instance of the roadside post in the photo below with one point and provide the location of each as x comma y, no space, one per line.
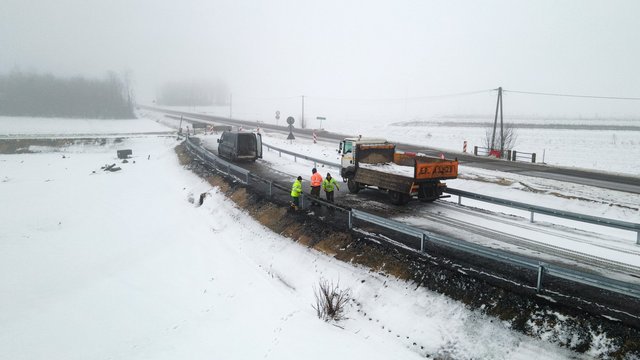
290,121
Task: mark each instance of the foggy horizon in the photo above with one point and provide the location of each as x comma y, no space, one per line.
353,51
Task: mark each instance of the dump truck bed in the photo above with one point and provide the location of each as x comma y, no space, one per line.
373,176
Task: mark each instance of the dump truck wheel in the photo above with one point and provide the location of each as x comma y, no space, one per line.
353,186
428,193
398,198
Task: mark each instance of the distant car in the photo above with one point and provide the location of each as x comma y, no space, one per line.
240,146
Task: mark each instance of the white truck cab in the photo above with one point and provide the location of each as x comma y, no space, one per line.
347,148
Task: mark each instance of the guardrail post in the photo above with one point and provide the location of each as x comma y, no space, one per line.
280,153
302,201
533,157
270,188
540,276
515,155
295,158
532,216
424,239
475,150
315,165
459,199
509,155
247,178
638,239
350,220
228,169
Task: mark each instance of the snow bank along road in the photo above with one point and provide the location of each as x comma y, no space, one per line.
604,180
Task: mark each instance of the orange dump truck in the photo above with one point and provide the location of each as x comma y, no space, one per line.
369,163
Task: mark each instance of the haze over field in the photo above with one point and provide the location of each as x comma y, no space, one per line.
336,52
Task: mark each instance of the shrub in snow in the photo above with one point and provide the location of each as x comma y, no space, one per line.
330,300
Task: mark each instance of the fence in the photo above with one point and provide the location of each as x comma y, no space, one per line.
510,155
542,269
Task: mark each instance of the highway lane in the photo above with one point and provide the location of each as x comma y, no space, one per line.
625,183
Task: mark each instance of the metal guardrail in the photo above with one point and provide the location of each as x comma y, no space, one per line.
297,155
542,269
220,164
503,256
629,226
514,204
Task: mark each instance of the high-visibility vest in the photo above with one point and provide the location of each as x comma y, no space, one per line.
316,179
296,189
329,184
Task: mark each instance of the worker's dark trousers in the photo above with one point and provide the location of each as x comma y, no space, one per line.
329,196
315,192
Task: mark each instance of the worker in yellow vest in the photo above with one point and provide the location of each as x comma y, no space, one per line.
296,191
328,184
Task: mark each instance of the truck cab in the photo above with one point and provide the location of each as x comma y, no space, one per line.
375,163
347,150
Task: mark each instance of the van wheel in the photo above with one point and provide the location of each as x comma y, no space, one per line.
353,186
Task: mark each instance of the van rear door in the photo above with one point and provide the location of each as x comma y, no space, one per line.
259,144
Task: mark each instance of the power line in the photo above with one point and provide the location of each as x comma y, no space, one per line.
407,98
572,95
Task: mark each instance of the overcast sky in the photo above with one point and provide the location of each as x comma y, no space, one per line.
343,49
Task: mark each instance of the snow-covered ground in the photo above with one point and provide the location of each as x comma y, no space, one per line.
16,127
124,265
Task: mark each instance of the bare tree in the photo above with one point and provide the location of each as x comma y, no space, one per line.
330,300
504,140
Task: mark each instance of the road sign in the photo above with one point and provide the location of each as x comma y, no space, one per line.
321,118
290,120
277,115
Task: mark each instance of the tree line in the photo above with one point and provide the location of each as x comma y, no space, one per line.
45,95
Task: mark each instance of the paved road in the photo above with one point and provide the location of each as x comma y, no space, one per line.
630,184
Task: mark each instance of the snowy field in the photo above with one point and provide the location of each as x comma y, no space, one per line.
124,265
16,127
590,148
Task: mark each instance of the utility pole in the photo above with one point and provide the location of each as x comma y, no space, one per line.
230,104
302,122
495,124
501,125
